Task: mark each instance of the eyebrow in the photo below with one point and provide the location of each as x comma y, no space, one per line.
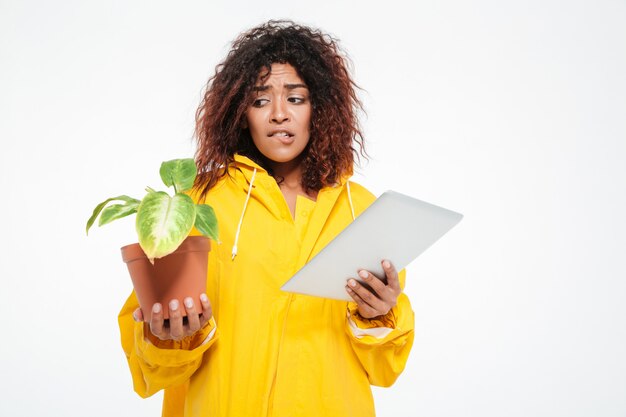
287,86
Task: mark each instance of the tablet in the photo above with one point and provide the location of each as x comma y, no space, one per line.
395,227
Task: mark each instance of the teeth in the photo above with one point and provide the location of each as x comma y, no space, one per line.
284,134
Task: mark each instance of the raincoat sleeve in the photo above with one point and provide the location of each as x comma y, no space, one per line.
383,344
157,364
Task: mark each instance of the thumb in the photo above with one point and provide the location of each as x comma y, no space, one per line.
138,315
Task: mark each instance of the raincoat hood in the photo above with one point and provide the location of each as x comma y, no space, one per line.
246,173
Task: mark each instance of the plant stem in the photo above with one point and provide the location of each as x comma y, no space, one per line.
174,184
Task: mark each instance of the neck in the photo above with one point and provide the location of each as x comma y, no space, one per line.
290,172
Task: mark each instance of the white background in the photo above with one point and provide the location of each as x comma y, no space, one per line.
511,112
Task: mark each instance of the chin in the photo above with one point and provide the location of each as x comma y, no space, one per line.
282,157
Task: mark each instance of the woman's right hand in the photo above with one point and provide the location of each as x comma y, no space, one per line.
176,329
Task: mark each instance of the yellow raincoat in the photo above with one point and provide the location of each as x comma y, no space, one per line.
268,352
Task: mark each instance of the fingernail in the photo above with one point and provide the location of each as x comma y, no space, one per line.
188,302
386,264
204,298
135,316
156,308
363,274
174,305
352,283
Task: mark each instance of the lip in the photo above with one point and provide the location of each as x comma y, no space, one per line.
285,140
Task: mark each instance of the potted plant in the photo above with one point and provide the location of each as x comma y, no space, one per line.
167,263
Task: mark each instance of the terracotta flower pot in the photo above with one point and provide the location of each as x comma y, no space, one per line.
181,274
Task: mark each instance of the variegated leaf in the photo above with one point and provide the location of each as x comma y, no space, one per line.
181,173
206,221
99,207
163,222
117,211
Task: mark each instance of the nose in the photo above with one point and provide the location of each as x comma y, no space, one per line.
279,112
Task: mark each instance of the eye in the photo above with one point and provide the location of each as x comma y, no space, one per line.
296,100
260,102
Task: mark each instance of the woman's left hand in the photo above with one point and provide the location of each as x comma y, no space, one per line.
381,298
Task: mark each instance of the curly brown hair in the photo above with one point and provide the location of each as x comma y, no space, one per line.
322,65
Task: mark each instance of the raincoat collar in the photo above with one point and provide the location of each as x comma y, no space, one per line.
247,166
266,191
243,161
326,199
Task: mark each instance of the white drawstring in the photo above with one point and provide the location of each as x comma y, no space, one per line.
245,205
350,199
234,253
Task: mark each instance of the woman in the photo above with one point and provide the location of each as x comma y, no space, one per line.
275,149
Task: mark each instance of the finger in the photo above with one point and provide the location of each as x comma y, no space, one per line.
138,315
192,316
379,287
365,310
156,321
207,310
369,298
176,320
392,276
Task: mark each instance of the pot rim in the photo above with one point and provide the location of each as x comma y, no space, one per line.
133,251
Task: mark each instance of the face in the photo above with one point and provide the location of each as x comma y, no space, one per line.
280,116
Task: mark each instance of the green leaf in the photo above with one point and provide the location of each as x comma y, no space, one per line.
181,173
163,222
117,211
100,206
206,221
